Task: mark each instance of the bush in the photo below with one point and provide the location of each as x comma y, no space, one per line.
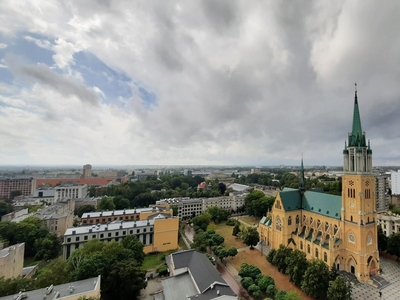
271,255
271,290
232,222
163,270
246,282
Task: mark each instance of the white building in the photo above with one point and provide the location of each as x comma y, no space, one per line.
389,222
191,207
70,191
381,192
395,177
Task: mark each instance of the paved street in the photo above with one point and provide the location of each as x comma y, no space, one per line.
391,273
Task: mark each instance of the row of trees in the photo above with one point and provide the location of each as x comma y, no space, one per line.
389,244
312,276
257,284
118,263
257,204
39,242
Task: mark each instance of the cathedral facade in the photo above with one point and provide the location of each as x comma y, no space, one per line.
339,230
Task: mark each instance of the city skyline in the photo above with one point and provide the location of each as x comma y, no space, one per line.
196,83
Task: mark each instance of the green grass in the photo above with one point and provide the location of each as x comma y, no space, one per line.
182,245
153,261
230,241
251,220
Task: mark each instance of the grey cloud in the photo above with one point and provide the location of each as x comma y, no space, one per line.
61,83
222,15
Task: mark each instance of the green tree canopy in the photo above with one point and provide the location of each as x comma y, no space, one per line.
339,289
251,237
297,264
316,279
106,203
247,270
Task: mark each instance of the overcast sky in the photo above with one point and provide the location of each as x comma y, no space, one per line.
197,82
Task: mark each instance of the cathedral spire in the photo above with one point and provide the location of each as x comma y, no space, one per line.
356,136
302,185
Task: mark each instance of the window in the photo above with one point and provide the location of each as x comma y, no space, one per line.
326,226
369,240
151,229
335,229
325,257
278,224
101,235
77,239
68,240
308,248
117,233
311,219
352,238
316,252
289,221
130,231
109,234
301,245
137,230
318,223
124,232
297,219
351,218
85,237
144,230
93,236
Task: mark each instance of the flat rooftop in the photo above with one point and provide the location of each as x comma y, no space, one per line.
96,214
112,226
79,287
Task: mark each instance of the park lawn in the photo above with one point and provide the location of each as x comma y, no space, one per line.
251,220
230,241
182,245
254,257
153,261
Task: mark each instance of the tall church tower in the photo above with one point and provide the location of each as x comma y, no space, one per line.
358,215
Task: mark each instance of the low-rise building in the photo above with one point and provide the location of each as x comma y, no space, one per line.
14,214
44,195
70,191
68,291
193,276
158,233
135,214
12,261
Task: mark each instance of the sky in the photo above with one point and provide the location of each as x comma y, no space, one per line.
205,82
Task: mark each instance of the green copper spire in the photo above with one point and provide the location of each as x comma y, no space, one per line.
356,136
302,185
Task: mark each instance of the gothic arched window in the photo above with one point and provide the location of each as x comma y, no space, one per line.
289,221
278,224
297,219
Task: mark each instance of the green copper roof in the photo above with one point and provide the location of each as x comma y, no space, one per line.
319,203
357,136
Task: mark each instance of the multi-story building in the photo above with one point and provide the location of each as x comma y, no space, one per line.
158,233
381,192
57,217
82,289
395,178
70,191
44,195
87,171
25,185
340,230
12,261
102,217
191,207
389,222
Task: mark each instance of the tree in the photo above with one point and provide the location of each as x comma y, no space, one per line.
124,280
91,266
247,270
251,237
217,239
5,208
236,230
121,202
200,242
106,203
174,209
297,264
292,295
232,252
202,220
222,188
14,194
48,247
246,282
271,255
11,286
339,289
264,282
131,242
271,290
393,245
85,209
281,295
55,272
382,239
316,279
254,290
280,256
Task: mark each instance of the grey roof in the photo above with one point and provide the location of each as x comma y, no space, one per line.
80,287
120,212
177,286
206,278
112,226
239,187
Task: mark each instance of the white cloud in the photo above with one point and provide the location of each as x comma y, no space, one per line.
235,82
3,46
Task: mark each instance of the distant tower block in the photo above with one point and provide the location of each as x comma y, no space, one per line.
87,171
